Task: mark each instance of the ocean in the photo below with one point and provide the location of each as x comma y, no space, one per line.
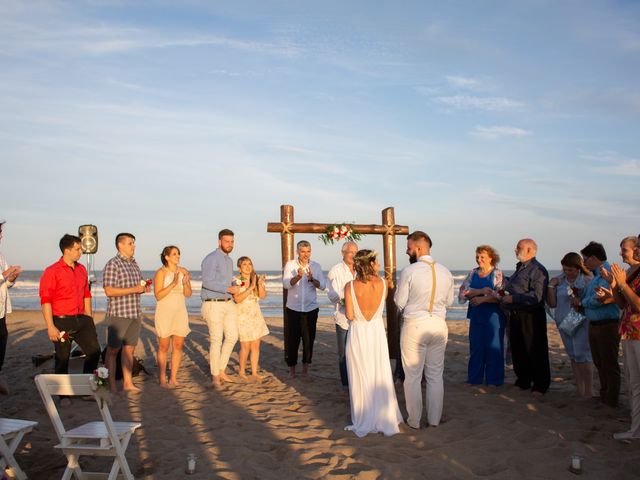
24,294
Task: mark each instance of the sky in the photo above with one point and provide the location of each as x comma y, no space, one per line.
479,122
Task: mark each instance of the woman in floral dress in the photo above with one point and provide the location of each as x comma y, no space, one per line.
251,324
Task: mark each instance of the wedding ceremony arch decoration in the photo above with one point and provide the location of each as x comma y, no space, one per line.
287,228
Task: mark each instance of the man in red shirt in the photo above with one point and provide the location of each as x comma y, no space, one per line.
66,306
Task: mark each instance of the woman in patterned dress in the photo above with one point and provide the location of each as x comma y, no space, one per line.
251,324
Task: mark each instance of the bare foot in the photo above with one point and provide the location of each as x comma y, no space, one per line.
174,384
305,369
292,372
225,378
131,389
256,377
244,377
215,382
164,384
536,394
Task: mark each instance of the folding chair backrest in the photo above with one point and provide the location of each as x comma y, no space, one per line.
53,384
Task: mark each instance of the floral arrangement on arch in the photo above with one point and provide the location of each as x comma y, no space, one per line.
340,231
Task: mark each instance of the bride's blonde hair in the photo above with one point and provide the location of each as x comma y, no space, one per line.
363,263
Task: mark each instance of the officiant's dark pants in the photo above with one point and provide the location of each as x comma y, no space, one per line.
530,350
299,325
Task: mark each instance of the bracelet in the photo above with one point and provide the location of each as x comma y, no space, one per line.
552,286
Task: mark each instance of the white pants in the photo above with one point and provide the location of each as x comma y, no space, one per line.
422,345
631,352
222,322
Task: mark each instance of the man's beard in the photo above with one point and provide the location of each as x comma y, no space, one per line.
413,258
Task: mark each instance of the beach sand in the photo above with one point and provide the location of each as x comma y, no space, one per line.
282,429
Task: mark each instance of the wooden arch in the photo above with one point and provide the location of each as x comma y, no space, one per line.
388,229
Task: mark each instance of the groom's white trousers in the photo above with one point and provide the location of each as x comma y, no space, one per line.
422,345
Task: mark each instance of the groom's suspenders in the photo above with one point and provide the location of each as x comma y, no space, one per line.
433,283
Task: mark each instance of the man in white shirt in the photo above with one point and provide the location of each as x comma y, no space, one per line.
425,290
301,278
339,275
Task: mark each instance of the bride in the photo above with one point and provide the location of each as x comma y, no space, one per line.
374,407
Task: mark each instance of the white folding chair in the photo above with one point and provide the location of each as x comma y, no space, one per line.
12,431
104,438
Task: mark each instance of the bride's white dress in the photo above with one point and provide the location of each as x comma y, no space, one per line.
374,406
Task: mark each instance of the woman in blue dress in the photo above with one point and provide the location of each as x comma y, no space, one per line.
483,288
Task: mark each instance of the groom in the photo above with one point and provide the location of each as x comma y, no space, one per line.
425,290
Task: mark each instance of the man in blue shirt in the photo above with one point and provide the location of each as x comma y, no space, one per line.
526,290
604,339
218,308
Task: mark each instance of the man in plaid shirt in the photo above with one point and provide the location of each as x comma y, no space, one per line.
123,285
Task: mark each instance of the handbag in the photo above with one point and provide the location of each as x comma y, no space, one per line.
571,322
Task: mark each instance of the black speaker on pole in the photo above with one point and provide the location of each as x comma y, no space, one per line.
88,238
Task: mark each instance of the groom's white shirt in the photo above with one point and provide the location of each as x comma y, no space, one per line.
414,289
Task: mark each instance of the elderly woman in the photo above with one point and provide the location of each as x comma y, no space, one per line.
626,291
486,320
563,291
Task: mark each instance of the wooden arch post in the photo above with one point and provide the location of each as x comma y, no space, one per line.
287,228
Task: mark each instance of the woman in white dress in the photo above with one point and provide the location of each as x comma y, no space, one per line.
374,406
172,284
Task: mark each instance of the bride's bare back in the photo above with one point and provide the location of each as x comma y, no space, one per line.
368,296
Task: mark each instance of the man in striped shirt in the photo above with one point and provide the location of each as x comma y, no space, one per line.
123,285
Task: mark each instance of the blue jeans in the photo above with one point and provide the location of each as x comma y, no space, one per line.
341,335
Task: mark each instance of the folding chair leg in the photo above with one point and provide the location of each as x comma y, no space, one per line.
73,468
10,459
121,461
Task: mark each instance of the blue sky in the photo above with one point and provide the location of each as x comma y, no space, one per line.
480,122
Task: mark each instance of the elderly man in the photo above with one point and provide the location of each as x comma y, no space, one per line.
526,290
301,278
218,308
66,307
339,275
604,338
123,285
425,290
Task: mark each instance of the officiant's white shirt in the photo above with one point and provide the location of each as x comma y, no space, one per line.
338,277
302,296
414,290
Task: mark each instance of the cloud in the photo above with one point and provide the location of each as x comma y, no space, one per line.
469,102
496,132
615,164
468,83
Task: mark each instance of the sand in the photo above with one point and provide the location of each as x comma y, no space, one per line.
285,429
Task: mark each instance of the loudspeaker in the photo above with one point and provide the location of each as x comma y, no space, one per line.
88,238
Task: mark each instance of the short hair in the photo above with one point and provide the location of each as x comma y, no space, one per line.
419,235
530,243
225,232
491,252
574,260
68,241
594,249
629,239
167,251
346,244
302,243
123,235
363,264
